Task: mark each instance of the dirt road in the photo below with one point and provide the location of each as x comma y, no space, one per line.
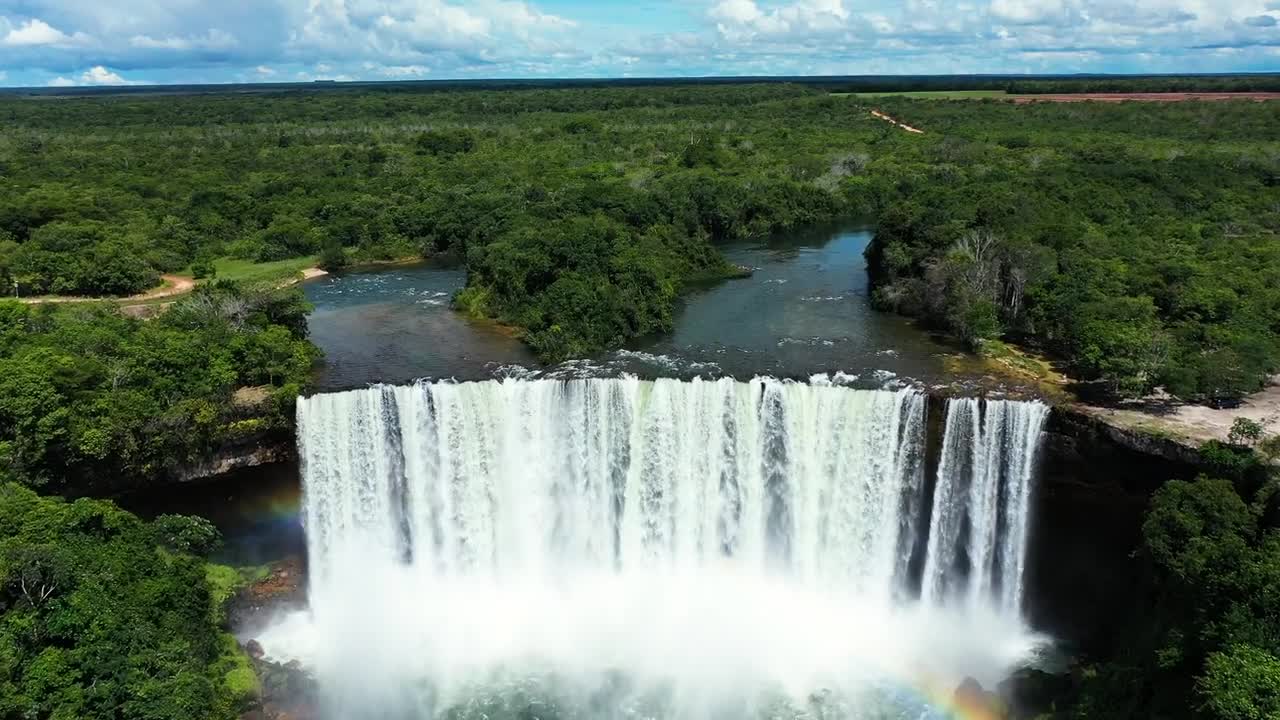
904,126
173,285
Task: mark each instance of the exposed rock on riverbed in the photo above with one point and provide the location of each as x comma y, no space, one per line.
287,691
284,589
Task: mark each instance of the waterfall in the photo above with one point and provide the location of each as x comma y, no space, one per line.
711,534
521,477
984,486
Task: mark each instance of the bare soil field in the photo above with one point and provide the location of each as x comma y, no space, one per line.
1144,97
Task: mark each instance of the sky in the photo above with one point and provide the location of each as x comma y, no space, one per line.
115,42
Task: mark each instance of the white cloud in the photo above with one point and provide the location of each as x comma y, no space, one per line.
62,82
403,71
1028,11
35,32
744,19
409,32
148,42
3,76
99,75
213,40
181,40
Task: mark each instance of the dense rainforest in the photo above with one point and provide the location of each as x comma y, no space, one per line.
104,616
1134,241
1201,638
92,401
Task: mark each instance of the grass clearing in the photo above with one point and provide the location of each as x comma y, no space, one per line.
933,94
241,270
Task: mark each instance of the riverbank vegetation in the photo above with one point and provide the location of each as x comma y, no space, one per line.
104,616
1135,243
1202,637
93,401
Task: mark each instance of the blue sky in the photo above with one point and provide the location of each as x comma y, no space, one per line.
102,42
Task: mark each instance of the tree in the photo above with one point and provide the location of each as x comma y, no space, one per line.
99,622
92,400
203,268
1120,342
1244,431
1241,683
332,256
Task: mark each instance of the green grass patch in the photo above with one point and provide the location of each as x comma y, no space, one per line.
239,681
999,358
238,269
223,583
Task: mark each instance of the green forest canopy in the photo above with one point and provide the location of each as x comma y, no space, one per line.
105,616
1134,241
92,401
1203,638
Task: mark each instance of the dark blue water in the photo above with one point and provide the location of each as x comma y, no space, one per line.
805,310
396,325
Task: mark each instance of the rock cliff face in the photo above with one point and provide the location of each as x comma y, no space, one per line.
1095,483
258,453
1075,425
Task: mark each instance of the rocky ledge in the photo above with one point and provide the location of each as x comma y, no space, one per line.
283,589
1086,424
286,690
238,457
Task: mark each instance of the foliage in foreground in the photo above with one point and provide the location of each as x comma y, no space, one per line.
91,400
1205,640
104,616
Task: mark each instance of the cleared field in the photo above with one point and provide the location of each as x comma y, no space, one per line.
248,271
1144,97
1067,97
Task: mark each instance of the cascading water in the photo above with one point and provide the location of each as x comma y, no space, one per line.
984,483
623,548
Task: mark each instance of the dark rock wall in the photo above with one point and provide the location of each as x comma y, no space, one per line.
1094,486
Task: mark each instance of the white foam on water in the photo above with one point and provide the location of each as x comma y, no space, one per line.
602,541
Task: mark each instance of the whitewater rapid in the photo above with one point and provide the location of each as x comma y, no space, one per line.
627,548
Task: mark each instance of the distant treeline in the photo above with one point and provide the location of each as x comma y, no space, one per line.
1014,84
1152,84
1057,85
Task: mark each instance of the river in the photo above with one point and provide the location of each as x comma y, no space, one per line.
805,310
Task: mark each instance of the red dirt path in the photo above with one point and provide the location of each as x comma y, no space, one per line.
1145,97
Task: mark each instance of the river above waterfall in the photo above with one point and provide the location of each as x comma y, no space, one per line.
805,310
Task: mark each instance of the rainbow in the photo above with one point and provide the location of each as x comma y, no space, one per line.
273,503
951,702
